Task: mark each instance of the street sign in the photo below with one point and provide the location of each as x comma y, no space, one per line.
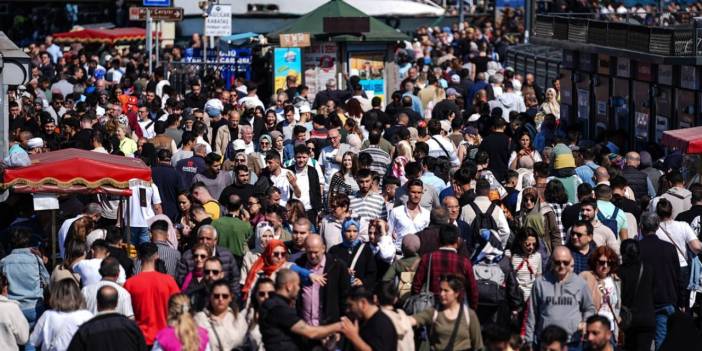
295,40
171,14
218,22
157,3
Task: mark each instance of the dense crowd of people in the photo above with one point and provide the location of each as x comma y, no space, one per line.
461,214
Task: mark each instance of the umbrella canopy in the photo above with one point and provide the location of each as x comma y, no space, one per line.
109,36
77,171
313,23
687,140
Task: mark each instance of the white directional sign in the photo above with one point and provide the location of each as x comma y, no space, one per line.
219,21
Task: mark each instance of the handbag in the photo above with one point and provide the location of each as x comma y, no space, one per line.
423,300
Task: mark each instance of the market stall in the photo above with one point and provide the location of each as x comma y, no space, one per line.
75,171
687,140
102,36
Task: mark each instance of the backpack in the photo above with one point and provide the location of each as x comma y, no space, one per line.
610,222
404,280
482,221
491,282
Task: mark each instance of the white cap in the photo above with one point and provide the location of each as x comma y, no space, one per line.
35,143
238,144
305,108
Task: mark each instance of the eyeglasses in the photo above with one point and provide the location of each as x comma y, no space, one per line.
212,271
199,256
220,296
577,234
279,254
561,263
263,293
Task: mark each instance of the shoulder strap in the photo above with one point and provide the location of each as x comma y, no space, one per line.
356,256
214,330
442,147
425,288
490,209
672,241
614,213
454,333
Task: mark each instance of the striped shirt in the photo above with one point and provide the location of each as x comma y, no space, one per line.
371,206
167,254
381,159
526,271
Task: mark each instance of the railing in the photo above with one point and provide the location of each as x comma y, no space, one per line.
664,41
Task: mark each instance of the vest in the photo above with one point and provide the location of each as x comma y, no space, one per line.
638,181
315,193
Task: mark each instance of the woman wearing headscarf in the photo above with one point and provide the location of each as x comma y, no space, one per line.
551,104
264,233
273,259
541,218
357,255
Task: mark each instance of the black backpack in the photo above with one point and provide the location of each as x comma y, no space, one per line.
482,221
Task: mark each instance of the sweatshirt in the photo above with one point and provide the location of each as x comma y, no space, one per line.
565,304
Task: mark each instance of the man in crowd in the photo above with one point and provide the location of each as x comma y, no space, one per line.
109,270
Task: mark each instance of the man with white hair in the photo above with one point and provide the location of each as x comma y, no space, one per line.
247,135
207,234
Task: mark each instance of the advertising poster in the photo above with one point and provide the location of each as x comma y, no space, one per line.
238,62
620,103
641,120
319,61
685,108
370,67
286,62
661,126
642,110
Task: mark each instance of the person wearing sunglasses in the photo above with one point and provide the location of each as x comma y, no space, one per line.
226,326
541,218
581,245
194,279
561,298
605,285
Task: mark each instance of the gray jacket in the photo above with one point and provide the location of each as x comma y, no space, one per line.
565,304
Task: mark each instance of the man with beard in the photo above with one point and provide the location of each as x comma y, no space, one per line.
599,333
199,298
214,179
48,126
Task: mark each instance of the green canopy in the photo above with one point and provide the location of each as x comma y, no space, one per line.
312,23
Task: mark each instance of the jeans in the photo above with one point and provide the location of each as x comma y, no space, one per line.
32,314
140,235
662,314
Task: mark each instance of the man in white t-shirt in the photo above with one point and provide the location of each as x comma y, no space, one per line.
280,178
110,271
330,156
144,203
680,234
439,145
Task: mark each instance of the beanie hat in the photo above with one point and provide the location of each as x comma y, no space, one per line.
563,157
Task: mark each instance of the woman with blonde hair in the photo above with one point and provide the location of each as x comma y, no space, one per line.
182,333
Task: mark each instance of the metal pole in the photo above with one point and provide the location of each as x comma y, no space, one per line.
54,234
149,39
204,41
461,14
528,20
158,34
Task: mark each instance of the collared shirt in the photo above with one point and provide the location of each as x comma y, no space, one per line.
63,232
311,301
283,184
167,254
303,183
401,223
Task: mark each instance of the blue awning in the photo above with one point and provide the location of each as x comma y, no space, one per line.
238,39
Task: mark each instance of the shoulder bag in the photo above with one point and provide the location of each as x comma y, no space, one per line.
423,300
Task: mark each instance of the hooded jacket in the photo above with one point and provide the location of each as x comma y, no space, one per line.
565,304
679,197
508,101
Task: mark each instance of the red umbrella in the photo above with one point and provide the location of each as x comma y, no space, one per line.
687,140
77,171
109,36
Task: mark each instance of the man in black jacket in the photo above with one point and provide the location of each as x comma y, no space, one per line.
307,183
693,216
662,256
498,146
317,304
108,330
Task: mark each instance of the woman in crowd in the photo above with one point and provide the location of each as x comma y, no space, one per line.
273,258
182,333
226,327
605,285
330,227
524,155
261,292
453,317
357,255
404,146
470,143
402,271
541,218
79,230
194,279
278,144
270,122
253,210
381,245
55,328
551,104
126,144
264,233
294,210
343,181
637,296
526,260
183,222
75,252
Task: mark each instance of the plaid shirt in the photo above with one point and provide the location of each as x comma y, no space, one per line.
446,261
558,210
580,260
